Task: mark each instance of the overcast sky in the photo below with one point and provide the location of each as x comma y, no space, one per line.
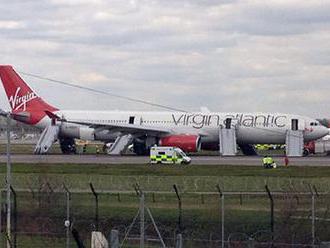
244,56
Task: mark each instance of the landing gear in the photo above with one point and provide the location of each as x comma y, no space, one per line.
107,147
68,146
248,150
140,148
306,152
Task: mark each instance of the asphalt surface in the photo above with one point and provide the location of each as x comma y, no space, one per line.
197,160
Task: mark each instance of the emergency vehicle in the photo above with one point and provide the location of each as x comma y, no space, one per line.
168,155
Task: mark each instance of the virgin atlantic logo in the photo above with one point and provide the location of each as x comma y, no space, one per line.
17,102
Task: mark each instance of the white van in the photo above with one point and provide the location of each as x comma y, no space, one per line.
168,155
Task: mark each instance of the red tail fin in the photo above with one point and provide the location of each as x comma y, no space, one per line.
21,97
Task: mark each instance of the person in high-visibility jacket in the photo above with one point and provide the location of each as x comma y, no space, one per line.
265,161
270,162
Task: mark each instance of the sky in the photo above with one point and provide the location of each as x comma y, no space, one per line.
228,56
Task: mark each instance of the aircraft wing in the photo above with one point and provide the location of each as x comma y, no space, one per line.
124,128
3,113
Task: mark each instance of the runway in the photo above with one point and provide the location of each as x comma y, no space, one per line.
196,160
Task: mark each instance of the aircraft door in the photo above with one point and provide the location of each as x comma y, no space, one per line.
297,124
135,120
228,123
294,124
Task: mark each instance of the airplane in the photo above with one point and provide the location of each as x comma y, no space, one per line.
190,131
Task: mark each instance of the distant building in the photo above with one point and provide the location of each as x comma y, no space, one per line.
19,128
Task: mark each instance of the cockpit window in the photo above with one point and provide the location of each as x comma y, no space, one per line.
314,124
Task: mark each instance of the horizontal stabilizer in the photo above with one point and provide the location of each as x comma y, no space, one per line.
52,115
3,113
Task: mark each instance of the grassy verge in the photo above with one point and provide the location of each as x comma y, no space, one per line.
202,178
169,170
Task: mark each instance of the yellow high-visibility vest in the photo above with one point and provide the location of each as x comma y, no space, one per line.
270,160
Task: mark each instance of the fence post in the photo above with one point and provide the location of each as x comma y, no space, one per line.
9,242
222,203
1,215
50,193
8,183
14,217
180,208
67,222
114,239
96,206
313,213
141,220
251,243
178,243
271,211
313,219
77,238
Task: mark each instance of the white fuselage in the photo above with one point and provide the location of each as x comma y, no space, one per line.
189,130
252,128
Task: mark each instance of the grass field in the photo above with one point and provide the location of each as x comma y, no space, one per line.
201,216
193,178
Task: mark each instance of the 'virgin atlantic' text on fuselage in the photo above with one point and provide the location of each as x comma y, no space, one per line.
247,120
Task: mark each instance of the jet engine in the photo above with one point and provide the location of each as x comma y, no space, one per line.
68,146
188,143
75,131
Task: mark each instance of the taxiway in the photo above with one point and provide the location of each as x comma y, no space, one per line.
196,160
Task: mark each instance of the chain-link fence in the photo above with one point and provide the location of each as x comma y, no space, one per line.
54,216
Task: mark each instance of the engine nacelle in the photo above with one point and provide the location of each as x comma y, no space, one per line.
86,133
188,143
77,132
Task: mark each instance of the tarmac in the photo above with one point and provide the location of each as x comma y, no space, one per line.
134,160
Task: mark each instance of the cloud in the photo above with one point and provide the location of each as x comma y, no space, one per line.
11,25
227,55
